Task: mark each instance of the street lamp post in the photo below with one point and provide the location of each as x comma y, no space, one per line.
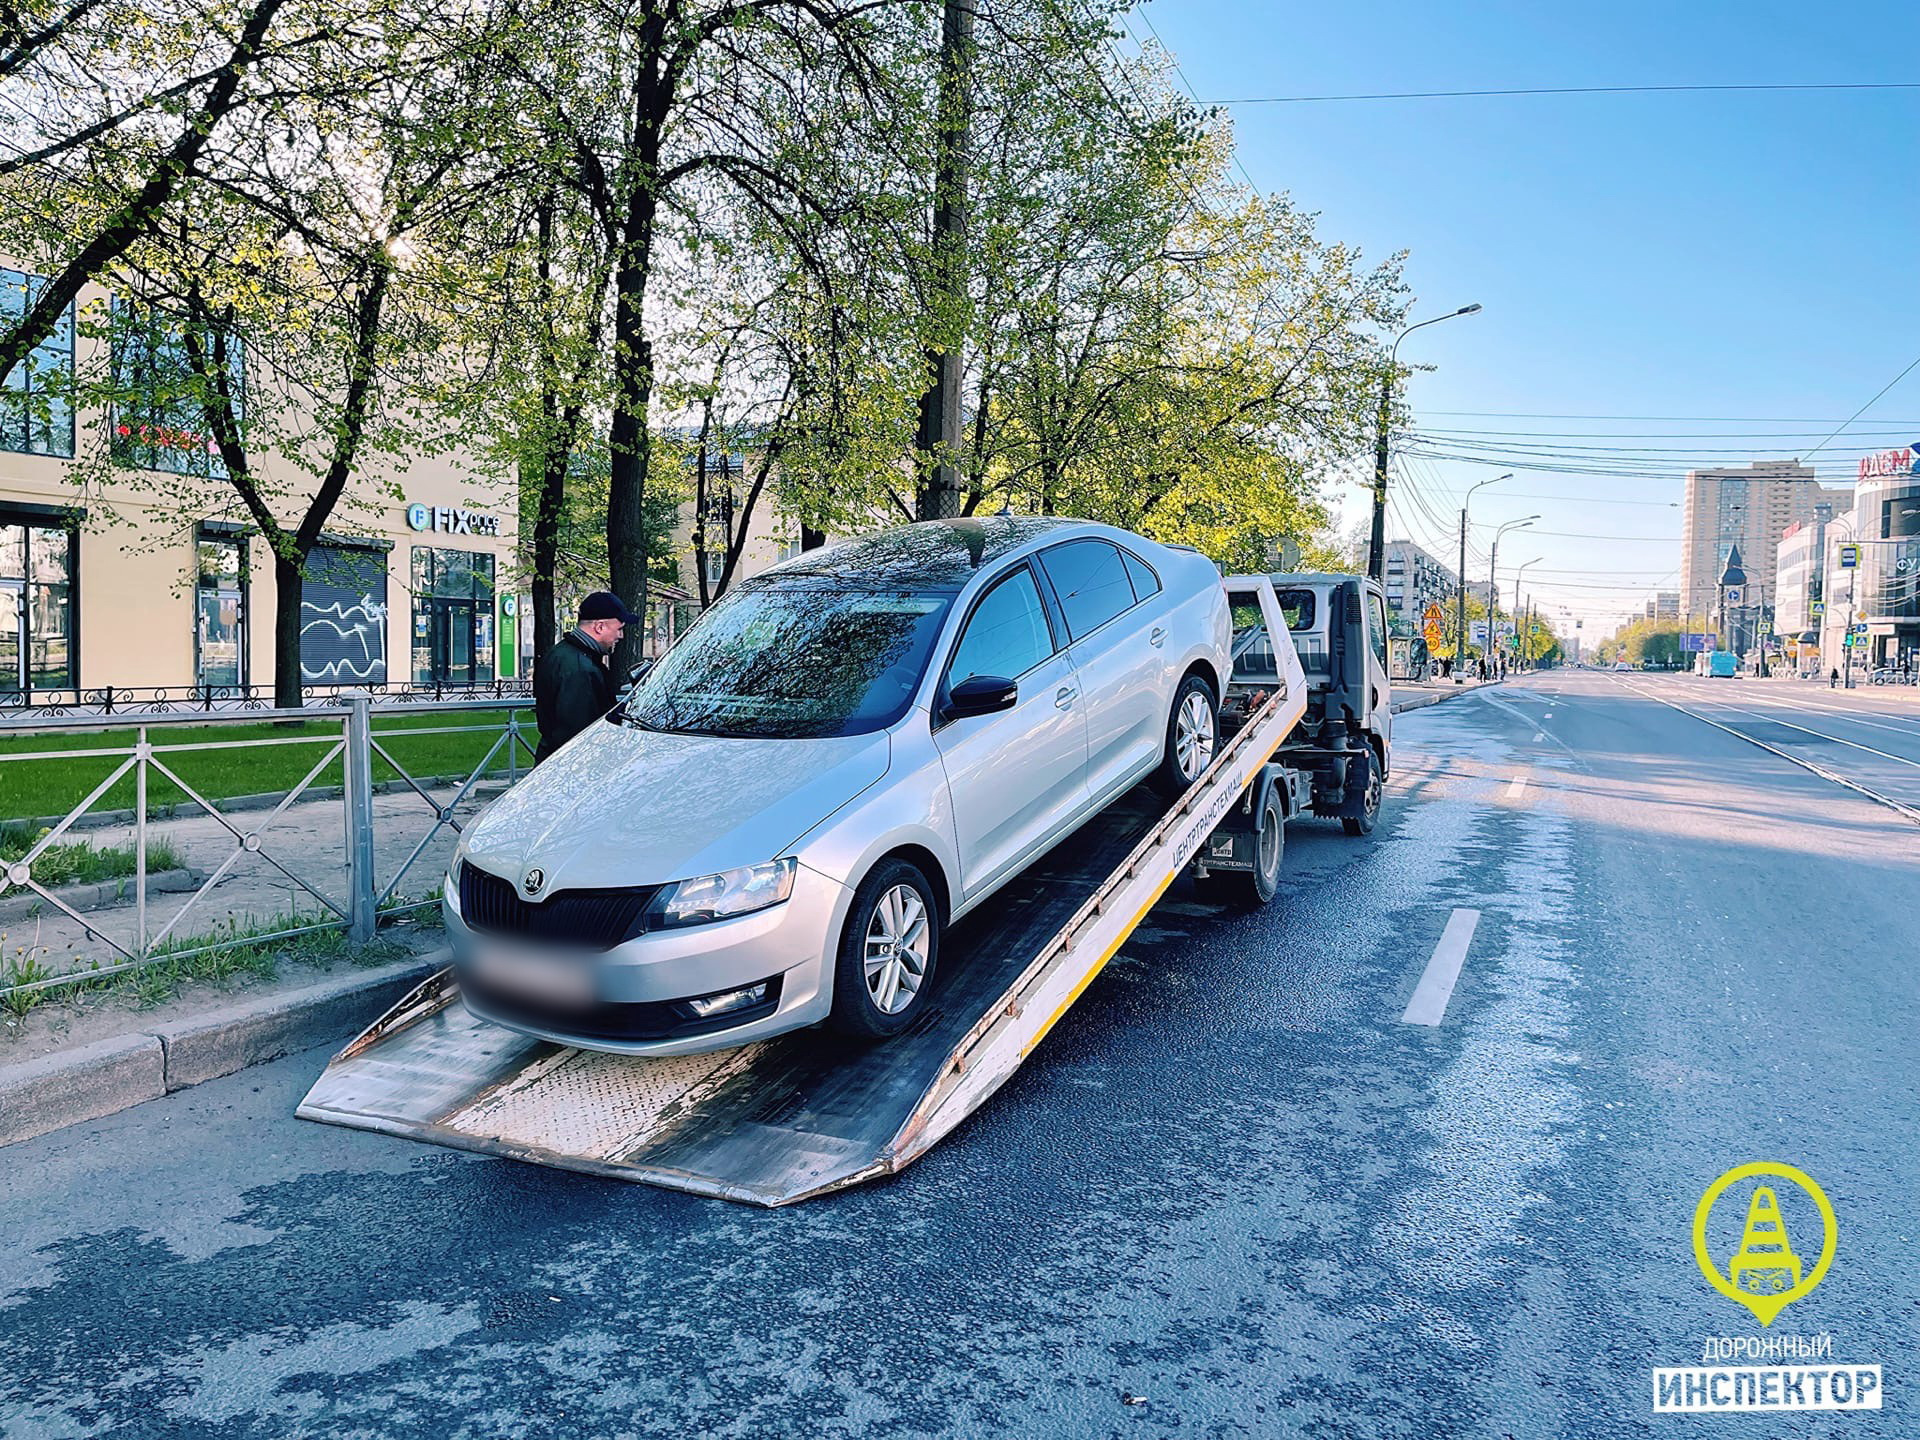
1493,582
1526,653
1377,540
1460,596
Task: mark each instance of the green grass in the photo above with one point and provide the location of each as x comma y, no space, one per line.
38,788
228,952
79,862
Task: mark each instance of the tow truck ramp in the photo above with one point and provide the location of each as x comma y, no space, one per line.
803,1114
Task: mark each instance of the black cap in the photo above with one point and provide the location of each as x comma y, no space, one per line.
605,605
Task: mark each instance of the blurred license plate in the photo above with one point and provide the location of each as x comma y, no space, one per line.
531,974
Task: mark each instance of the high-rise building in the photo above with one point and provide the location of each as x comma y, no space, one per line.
1749,506
1414,580
1663,605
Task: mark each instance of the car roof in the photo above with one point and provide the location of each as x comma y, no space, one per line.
939,555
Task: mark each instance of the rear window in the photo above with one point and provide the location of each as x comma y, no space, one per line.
1298,607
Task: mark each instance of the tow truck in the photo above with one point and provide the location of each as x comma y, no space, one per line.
802,1115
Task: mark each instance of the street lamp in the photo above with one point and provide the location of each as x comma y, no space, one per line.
1377,540
1493,583
1525,654
1460,596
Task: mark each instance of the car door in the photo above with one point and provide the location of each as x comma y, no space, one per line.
1016,776
1379,681
1117,640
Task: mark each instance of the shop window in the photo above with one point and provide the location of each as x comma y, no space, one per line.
160,411
36,606
453,610
220,610
36,412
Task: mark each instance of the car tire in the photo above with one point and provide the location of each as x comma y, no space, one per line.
895,903
1193,737
1363,823
1251,889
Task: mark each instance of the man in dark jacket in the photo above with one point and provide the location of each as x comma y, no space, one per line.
572,686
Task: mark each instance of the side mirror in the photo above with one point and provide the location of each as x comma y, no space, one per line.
980,695
637,673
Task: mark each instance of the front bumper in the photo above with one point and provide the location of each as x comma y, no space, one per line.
635,985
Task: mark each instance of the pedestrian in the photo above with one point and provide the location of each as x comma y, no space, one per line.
1833,678
573,684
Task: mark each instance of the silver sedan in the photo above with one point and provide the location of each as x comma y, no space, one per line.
846,754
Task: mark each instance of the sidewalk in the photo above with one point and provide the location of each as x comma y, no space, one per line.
1416,695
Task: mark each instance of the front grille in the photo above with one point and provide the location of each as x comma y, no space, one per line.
593,919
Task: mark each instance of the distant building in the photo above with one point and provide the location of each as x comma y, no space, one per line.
1800,588
1880,591
1414,580
1663,605
1749,506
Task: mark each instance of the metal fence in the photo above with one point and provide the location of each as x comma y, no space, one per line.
351,734
85,702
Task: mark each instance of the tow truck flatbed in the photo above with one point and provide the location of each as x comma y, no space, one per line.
798,1116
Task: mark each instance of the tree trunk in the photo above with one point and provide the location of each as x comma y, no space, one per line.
289,586
938,494
628,441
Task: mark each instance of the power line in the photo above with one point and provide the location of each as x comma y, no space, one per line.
1868,406
1866,85
1674,419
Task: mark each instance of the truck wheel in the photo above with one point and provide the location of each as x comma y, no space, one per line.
1362,824
1251,889
1193,734
884,969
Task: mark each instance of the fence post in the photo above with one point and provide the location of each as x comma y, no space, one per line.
142,752
513,747
361,882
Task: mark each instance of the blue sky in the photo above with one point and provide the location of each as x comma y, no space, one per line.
1733,255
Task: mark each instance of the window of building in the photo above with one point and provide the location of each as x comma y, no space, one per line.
37,564
220,609
160,412
36,413
452,617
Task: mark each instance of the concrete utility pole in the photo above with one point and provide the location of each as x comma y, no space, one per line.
1377,536
1493,583
938,497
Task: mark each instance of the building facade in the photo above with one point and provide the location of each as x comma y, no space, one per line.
1414,579
1749,506
1873,567
1663,605
138,586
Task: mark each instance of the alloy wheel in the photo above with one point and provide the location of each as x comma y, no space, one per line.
896,956
1193,736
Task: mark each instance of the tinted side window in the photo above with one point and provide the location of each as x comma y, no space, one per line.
1007,633
1091,582
1145,582
1377,628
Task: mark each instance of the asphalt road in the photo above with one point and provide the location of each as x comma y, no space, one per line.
1233,1184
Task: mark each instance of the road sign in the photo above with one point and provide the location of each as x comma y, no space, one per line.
1817,607
1694,644
1766,627
1733,596
1433,633
1849,557
1433,615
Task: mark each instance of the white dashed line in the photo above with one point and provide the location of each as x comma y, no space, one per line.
1430,996
1538,736
1518,787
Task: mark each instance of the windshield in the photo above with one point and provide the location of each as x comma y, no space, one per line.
793,662
1297,607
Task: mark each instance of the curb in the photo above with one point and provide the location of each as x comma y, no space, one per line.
100,895
1420,702
66,1088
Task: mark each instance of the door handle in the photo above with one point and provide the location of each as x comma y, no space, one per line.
1063,697
1158,635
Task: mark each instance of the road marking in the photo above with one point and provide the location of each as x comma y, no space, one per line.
1538,736
1430,996
1549,715
1518,787
1822,771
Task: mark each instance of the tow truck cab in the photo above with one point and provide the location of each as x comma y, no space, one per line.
1338,625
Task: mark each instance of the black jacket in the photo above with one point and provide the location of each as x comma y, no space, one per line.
572,688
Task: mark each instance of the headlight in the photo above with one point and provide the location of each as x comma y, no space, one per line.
722,896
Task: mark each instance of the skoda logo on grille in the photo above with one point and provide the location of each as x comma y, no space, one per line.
535,879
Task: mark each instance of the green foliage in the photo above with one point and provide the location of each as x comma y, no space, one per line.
79,862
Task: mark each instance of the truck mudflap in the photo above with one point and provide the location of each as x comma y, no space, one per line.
804,1114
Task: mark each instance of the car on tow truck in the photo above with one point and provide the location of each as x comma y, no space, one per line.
844,755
